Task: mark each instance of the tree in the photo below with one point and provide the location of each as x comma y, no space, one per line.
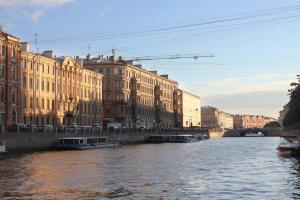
292,117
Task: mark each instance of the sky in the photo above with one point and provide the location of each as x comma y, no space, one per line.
255,43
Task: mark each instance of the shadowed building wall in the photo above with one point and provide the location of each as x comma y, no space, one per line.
132,95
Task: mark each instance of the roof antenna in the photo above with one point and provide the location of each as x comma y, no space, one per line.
36,42
113,51
89,49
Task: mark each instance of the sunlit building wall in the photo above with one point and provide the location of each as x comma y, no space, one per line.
191,110
59,91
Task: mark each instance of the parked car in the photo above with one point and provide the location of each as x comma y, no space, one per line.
17,128
48,128
32,128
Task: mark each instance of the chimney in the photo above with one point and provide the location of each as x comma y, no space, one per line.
165,76
154,72
49,54
24,46
1,29
89,56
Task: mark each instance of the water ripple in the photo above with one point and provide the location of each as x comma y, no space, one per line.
228,168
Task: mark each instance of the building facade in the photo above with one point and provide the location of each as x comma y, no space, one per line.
191,110
59,91
250,121
213,118
10,93
210,117
133,96
225,120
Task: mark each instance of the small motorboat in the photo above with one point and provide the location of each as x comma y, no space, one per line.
289,145
251,134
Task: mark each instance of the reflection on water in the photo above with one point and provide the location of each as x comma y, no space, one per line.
227,168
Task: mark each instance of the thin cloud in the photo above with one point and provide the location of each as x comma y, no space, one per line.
39,7
37,3
106,10
36,15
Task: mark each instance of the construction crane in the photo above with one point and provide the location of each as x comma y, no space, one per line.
171,57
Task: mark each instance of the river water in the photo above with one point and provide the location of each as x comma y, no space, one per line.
226,168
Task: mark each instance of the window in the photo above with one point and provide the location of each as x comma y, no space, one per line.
48,86
30,83
13,53
48,104
53,87
2,71
2,94
31,102
24,82
42,86
31,65
3,50
43,103
25,102
53,106
24,64
14,72
14,96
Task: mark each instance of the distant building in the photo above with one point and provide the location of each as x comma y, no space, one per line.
191,110
209,117
250,121
134,96
10,75
225,120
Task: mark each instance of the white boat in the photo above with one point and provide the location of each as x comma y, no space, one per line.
82,143
2,147
173,138
289,145
251,134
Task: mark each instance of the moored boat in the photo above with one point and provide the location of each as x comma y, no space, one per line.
251,134
81,143
289,145
174,138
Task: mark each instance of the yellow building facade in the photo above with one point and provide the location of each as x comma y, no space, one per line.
59,91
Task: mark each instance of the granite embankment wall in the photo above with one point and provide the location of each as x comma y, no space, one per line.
276,132
42,141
